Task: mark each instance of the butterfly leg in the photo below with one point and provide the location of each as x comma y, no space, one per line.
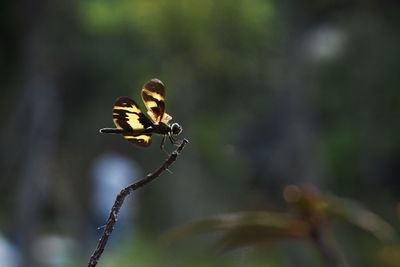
173,140
162,147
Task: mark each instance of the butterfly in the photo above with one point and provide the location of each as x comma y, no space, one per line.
136,127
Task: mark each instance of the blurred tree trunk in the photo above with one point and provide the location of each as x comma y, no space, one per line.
38,122
296,158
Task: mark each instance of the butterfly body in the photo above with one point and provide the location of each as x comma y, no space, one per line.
137,127
160,129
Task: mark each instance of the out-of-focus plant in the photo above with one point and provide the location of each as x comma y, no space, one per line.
389,256
308,217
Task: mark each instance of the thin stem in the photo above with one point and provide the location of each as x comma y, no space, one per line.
331,255
112,218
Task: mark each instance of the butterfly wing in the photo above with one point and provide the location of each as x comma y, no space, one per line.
128,116
153,95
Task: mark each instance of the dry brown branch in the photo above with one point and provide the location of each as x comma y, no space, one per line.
112,218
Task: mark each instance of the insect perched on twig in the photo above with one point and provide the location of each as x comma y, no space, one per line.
136,127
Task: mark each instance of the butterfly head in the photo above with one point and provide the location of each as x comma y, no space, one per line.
176,129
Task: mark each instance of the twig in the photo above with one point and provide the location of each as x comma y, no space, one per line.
112,218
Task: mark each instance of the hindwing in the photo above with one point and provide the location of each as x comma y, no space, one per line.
153,96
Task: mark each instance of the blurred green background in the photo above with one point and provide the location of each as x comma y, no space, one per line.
269,93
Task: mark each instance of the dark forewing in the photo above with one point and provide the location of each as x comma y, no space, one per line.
153,95
128,116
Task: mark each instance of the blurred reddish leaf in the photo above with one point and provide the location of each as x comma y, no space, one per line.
244,227
355,213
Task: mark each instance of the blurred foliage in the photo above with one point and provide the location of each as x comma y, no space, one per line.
389,256
144,252
308,218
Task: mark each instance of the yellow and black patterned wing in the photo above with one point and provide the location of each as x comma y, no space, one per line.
128,116
153,95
